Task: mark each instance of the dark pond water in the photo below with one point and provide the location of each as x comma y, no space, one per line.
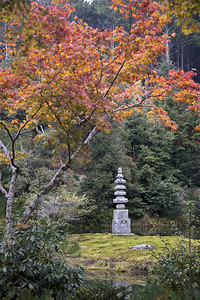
137,278
131,288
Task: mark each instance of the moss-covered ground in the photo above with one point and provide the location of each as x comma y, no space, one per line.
115,253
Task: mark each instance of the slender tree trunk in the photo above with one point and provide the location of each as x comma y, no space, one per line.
188,59
182,61
9,194
9,201
167,54
178,57
9,218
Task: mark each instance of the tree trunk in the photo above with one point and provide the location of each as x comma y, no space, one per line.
10,194
9,201
9,218
178,58
46,189
167,54
182,61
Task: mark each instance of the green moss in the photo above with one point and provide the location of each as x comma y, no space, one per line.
114,253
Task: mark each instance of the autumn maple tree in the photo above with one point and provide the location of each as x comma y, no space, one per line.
185,13
73,79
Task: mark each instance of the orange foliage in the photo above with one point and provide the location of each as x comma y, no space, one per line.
66,73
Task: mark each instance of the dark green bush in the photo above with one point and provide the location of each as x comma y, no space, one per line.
99,220
152,291
179,268
32,260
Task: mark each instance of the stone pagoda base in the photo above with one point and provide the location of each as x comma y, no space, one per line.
121,224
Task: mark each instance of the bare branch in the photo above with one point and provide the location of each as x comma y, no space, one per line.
87,117
45,190
8,131
40,131
6,152
115,78
56,116
27,121
13,139
2,188
139,104
54,76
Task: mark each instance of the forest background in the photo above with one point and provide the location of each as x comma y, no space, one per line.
162,167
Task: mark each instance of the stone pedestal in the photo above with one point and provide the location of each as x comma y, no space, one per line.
121,224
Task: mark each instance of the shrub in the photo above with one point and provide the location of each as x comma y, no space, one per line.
179,267
32,260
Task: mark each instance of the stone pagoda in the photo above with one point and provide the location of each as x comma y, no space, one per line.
121,223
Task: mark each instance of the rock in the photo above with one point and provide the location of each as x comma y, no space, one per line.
142,246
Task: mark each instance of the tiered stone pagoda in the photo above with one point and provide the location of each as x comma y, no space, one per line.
121,223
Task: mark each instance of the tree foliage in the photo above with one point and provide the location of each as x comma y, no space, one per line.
185,13
63,206
72,78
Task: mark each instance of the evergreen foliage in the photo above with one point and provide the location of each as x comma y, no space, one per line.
108,153
186,156
97,14
162,198
151,153
32,260
155,190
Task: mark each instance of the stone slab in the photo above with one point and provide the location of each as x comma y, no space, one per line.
121,224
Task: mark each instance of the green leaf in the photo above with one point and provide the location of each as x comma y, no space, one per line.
23,284
32,238
31,287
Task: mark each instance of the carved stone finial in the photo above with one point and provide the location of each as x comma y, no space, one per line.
119,170
120,189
